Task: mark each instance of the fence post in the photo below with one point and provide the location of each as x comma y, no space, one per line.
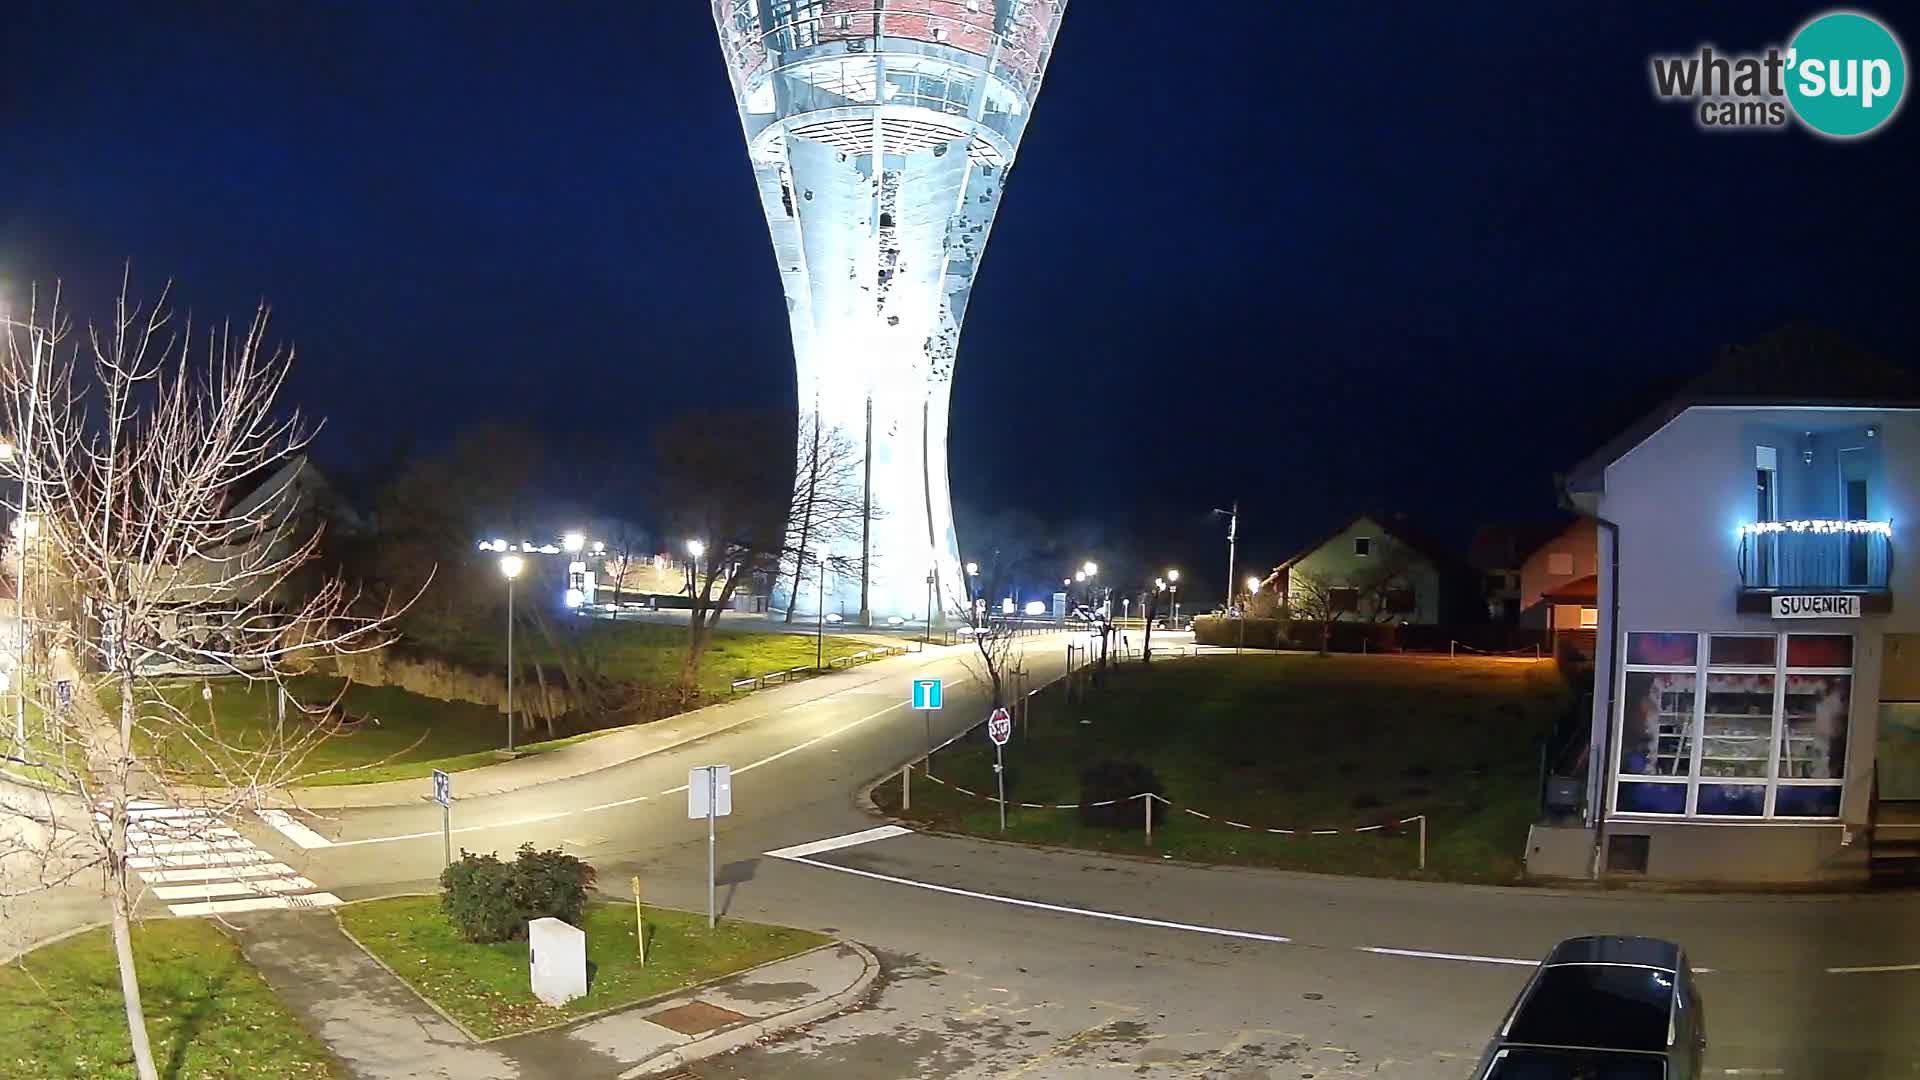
1423,841
906,786
1146,800
1450,649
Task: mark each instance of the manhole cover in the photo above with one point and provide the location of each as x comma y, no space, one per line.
695,1017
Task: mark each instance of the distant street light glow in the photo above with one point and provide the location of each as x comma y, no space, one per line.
573,541
696,549
511,565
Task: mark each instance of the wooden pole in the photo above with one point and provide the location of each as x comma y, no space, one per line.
639,922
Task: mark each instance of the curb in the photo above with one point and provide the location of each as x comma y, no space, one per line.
735,1038
335,797
54,939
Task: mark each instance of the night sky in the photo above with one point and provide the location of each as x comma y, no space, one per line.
1321,259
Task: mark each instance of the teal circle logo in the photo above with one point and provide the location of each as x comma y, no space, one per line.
1846,74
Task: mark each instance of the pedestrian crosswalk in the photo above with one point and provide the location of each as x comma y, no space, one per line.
190,858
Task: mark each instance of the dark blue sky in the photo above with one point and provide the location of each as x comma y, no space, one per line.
1319,259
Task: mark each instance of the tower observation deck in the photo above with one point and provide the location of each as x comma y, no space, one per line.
880,134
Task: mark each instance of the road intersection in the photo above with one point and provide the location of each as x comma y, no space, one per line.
1003,960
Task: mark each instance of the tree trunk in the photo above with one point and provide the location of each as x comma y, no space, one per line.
120,773
1146,640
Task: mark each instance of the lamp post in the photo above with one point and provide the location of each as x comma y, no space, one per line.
696,549
820,616
510,567
1233,534
1173,589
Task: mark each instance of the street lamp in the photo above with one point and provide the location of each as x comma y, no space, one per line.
696,549
510,567
573,542
973,586
1173,588
1090,567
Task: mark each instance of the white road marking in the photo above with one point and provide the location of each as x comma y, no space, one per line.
293,830
207,890
1452,956
835,843
1872,968
256,903
1062,909
221,873
222,858
455,832
192,847
622,802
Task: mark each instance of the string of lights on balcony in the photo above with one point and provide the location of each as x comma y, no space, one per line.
1818,525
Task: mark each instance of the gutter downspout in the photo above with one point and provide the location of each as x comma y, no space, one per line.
1598,756
1616,641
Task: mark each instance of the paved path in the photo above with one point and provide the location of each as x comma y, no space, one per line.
380,1029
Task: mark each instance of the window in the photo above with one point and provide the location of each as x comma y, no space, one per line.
1560,564
1736,726
1400,601
1363,546
1589,618
1344,599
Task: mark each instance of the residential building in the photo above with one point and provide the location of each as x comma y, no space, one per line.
1499,552
1758,653
1559,585
1383,569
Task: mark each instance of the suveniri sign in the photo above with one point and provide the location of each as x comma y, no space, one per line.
1838,606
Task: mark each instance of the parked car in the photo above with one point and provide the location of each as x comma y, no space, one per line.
1603,1008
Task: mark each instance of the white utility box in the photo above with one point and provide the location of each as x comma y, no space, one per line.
557,955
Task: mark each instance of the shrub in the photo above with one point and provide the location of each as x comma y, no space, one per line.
488,900
1261,633
1118,781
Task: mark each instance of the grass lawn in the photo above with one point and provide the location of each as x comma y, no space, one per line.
485,986
209,1014
1283,741
652,653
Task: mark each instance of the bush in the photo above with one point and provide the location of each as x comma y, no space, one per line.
1260,633
1118,781
488,900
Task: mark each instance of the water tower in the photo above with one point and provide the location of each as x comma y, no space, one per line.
881,133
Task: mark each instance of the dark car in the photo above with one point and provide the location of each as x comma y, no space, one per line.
1603,1008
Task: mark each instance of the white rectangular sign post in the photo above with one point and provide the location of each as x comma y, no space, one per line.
1836,606
1000,729
710,796
443,794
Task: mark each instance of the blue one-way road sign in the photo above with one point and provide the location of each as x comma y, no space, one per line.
926,693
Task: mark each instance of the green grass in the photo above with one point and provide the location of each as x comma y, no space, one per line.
1286,741
485,986
209,1014
652,654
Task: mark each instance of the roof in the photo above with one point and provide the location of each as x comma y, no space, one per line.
1400,528
1800,364
1584,590
1602,1006
1505,547
1616,949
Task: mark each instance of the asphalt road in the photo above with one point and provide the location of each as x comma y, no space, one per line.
1005,961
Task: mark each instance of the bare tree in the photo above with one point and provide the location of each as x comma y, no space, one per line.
141,437
1315,598
1383,590
827,503
722,495
997,649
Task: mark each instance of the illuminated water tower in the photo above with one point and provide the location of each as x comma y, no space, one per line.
880,133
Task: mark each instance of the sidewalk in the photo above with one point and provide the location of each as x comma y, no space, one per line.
379,1029
625,744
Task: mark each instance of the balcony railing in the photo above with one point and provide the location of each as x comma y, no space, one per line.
1842,555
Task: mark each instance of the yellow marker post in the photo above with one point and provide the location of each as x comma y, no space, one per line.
639,922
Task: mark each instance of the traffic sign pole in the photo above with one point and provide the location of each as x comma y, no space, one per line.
713,796
443,794
1000,776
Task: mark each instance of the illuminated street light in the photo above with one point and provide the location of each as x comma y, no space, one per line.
1079,575
1253,585
973,569
1173,575
573,542
1090,567
696,549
